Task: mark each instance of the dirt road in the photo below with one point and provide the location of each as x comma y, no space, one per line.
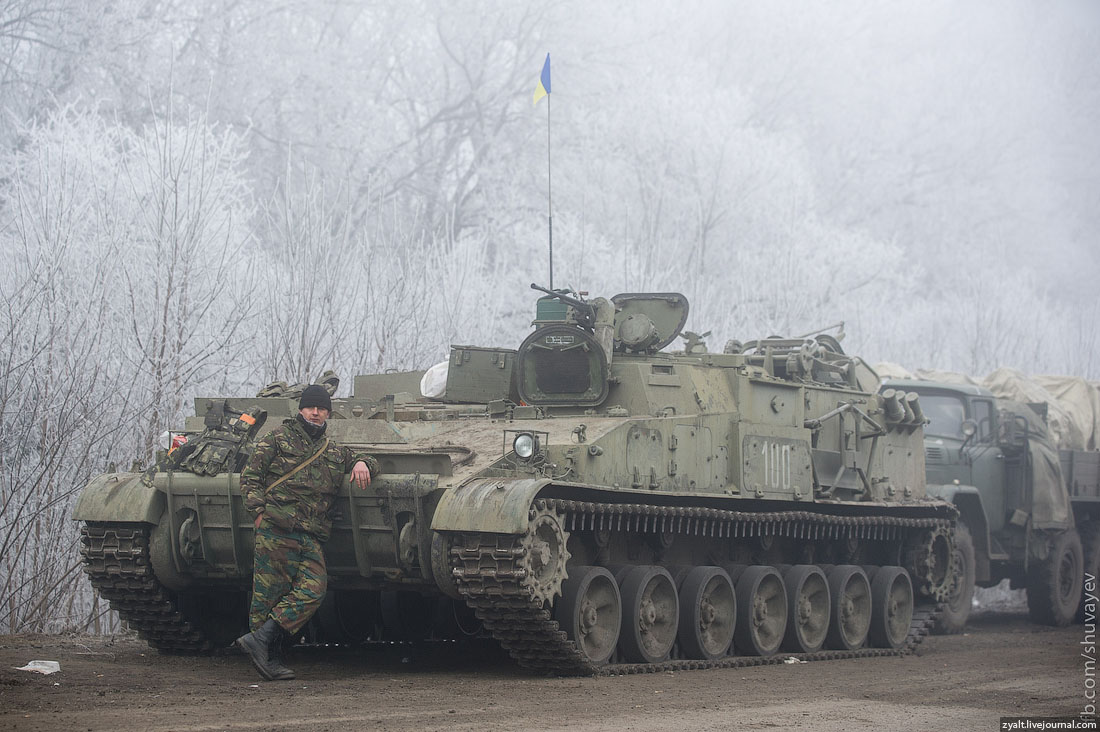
1003,666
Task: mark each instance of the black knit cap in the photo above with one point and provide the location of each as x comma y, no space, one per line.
315,395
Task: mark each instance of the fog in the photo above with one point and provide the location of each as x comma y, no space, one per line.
202,197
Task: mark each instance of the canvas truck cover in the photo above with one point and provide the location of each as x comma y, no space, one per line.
1050,506
1073,404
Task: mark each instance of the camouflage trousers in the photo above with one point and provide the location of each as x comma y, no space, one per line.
289,578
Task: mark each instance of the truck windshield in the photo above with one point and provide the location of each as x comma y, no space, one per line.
945,415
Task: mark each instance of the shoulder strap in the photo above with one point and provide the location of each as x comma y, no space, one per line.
289,475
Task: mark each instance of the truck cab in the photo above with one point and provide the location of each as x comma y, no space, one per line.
961,446
995,460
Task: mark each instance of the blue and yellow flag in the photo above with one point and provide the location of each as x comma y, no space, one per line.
544,81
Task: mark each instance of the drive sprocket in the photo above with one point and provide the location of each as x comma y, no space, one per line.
930,561
545,555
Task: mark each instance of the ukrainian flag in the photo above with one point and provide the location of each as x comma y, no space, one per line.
544,81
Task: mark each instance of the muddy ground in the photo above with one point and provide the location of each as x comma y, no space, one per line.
1003,666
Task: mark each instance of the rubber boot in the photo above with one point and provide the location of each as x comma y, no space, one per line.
279,671
257,646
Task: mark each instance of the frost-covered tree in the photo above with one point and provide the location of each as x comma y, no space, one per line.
184,262
125,292
63,394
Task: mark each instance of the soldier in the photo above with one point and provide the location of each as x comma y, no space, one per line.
289,486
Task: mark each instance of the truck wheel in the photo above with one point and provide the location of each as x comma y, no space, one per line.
1054,584
1090,546
956,609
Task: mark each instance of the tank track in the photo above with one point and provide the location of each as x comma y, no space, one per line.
116,560
489,575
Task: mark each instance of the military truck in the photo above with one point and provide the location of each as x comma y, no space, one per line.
591,501
1029,512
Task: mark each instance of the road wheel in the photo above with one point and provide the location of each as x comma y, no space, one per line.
850,607
761,611
960,598
891,607
590,612
1054,584
651,614
708,612
807,609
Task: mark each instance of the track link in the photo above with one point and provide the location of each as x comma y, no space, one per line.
489,575
116,560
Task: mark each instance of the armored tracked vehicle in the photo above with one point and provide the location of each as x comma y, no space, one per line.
590,501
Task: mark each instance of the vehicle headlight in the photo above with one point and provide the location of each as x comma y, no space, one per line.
525,445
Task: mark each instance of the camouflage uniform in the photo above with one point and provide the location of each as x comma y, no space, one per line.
289,574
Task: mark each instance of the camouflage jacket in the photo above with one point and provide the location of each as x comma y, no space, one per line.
303,502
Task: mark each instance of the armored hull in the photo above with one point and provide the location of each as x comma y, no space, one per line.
588,500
